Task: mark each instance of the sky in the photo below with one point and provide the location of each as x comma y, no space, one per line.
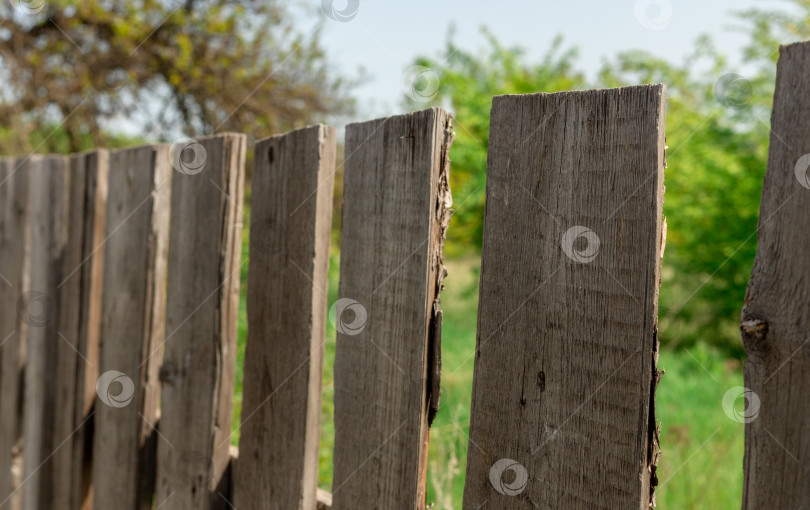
383,37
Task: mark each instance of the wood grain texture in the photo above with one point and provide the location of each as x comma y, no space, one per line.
40,309
132,324
565,360
79,322
775,322
14,253
395,213
197,375
291,221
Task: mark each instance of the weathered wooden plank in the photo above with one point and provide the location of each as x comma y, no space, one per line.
39,307
197,375
79,323
394,218
775,322
291,220
132,324
565,360
14,252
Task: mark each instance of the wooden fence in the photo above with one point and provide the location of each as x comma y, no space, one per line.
119,300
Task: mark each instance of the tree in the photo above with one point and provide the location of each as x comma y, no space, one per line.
468,79
718,128
190,68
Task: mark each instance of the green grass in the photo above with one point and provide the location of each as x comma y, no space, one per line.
701,463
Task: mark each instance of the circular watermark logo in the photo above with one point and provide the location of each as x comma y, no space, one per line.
29,7
654,14
572,241
508,477
35,308
733,91
188,156
115,388
800,170
110,79
741,404
420,83
348,316
343,15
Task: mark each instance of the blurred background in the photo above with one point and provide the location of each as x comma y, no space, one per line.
114,73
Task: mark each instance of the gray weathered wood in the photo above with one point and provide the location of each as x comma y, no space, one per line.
14,253
565,360
394,218
291,220
132,324
197,375
40,309
79,323
775,322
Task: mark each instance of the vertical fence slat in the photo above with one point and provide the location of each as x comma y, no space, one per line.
14,252
197,375
49,185
775,319
394,214
562,412
291,218
132,322
79,322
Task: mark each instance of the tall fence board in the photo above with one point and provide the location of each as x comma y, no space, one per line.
14,254
565,361
132,324
775,322
291,221
394,213
79,322
197,375
39,307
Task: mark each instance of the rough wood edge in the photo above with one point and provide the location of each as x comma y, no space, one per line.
444,202
439,139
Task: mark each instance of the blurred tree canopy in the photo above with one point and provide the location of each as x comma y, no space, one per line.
195,67
718,125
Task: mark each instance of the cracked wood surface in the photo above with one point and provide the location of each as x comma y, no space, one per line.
565,363
79,326
49,200
132,322
395,213
199,361
775,322
291,221
15,232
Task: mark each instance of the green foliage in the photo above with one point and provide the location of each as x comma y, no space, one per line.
717,131
469,79
718,139
192,68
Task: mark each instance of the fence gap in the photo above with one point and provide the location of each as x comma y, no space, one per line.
39,307
394,218
15,231
132,323
291,220
565,362
197,375
775,322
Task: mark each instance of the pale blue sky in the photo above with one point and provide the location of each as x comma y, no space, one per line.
385,36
